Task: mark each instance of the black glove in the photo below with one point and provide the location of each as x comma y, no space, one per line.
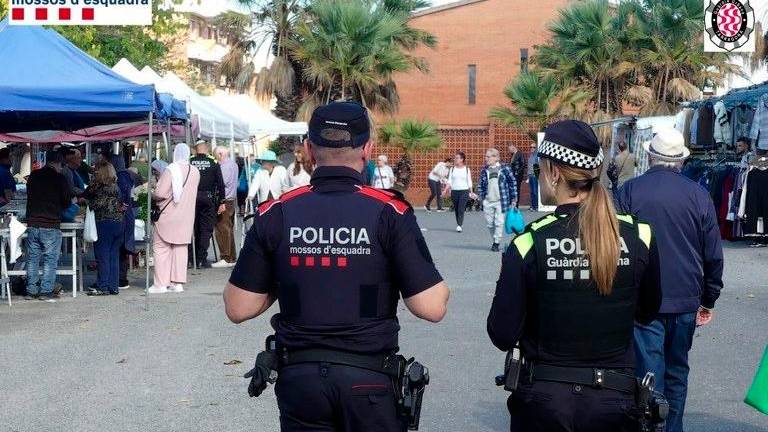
260,374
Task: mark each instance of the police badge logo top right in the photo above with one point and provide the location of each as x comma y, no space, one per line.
729,26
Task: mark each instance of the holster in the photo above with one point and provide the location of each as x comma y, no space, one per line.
652,407
413,383
512,366
264,370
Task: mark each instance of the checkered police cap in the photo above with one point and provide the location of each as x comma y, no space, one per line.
572,143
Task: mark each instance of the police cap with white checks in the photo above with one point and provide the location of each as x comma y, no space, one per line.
573,143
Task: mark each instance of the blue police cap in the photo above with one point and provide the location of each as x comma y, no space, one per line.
329,122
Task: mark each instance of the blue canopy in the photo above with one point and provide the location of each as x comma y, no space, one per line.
169,107
744,95
46,83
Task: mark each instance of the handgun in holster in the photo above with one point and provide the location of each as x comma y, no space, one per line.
265,370
412,381
652,406
512,366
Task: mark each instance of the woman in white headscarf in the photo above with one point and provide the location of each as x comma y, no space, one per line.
175,195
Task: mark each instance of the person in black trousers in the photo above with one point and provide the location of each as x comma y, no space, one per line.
460,179
437,178
518,165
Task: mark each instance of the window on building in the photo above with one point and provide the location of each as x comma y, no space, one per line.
472,87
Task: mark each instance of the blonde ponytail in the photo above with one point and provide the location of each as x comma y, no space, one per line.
599,233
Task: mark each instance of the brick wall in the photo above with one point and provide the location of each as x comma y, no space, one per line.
473,141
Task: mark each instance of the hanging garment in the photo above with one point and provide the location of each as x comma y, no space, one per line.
759,131
683,124
741,122
705,133
756,205
694,130
722,131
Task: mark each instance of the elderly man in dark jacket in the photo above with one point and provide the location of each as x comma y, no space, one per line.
685,224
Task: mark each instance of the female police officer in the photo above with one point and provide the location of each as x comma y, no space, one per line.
570,289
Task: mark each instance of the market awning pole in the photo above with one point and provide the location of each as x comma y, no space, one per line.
169,144
148,221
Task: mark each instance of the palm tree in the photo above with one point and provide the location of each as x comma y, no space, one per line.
351,50
539,99
410,136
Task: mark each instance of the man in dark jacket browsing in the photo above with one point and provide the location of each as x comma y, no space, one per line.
48,194
685,223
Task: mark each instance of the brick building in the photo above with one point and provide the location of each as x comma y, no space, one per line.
482,46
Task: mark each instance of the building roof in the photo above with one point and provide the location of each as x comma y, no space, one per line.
445,7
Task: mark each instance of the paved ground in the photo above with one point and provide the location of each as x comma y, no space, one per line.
107,364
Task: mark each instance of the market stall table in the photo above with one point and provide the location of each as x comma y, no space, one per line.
68,230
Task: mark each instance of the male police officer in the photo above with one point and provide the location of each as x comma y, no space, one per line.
336,255
210,201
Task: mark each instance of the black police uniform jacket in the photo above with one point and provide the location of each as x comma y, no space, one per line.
211,180
337,255
547,301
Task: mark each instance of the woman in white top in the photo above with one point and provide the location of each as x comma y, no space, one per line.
437,178
269,181
383,176
460,180
299,171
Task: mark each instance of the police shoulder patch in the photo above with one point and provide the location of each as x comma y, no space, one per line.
541,223
626,218
267,206
396,202
523,243
645,233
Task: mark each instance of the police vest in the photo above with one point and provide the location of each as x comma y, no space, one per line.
206,166
573,321
331,266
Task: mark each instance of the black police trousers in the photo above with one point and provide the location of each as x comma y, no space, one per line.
205,221
322,397
559,407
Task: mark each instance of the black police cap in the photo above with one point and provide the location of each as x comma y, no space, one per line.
349,117
571,142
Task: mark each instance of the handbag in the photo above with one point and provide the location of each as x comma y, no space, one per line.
757,396
156,211
514,222
89,229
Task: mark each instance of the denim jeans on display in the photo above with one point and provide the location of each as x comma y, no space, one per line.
42,243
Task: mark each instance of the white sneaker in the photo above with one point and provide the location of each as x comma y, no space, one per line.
176,288
124,287
222,264
458,229
157,290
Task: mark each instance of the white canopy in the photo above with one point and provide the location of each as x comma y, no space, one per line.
260,122
125,68
214,122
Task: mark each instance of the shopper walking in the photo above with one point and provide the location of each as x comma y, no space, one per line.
176,196
383,176
460,182
533,178
103,196
437,178
299,171
498,191
685,224
517,164
224,231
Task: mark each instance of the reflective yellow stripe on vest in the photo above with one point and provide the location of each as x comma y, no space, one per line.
524,243
544,222
644,230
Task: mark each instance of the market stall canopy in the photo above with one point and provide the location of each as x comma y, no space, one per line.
214,122
46,83
168,106
112,132
745,95
260,122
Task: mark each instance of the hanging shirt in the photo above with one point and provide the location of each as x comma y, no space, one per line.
741,122
759,131
722,131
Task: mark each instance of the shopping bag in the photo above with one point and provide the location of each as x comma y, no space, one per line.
514,222
89,230
757,396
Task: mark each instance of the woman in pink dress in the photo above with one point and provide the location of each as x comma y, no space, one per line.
175,194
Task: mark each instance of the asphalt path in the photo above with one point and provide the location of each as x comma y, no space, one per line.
107,364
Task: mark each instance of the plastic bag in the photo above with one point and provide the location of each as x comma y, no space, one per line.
514,222
758,392
89,230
